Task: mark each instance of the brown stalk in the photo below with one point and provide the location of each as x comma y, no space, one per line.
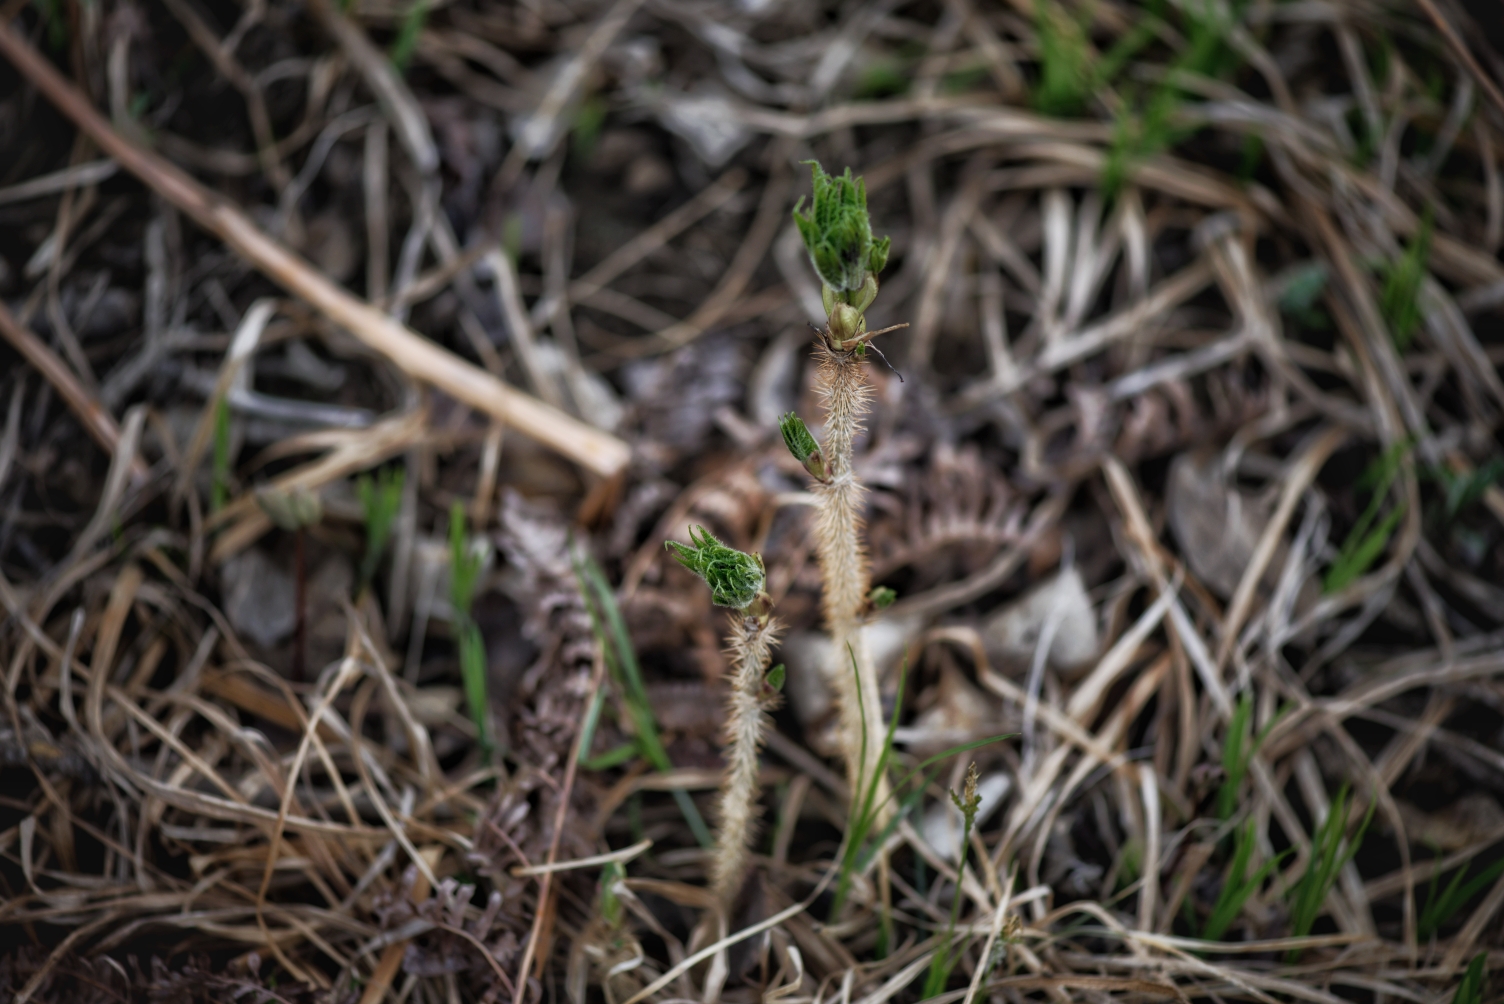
97,422
421,359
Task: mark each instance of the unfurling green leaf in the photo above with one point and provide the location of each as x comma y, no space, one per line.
838,233
735,578
882,597
776,676
802,444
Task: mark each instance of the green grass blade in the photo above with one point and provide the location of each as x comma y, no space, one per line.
1470,990
621,659
407,36
1327,859
473,675
1238,888
1440,908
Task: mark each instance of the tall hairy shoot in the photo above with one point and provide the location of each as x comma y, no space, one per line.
736,580
838,236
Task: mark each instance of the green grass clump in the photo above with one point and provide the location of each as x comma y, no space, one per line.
1065,66
1140,135
407,35
1461,491
1329,854
1238,886
621,661
1238,750
380,499
1402,282
1441,906
1367,540
1470,990
465,564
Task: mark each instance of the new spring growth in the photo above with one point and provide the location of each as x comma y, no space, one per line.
802,444
735,578
838,234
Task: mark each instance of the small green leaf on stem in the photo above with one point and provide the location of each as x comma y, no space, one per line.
882,597
802,444
775,677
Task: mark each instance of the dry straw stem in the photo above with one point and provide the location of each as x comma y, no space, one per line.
598,451
97,422
750,645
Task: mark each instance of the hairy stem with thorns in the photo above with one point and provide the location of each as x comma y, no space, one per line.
736,580
842,387
750,646
838,235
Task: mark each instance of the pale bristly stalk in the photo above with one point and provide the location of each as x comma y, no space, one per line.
736,580
749,645
838,236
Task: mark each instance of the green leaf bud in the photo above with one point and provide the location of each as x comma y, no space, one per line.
802,444
775,677
846,323
735,578
837,231
862,298
882,597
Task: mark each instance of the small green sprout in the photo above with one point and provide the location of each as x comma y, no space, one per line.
838,233
1238,885
379,500
775,678
466,562
1470,990
1441,906
735,578
802,444
882,597
1329,854
1402,285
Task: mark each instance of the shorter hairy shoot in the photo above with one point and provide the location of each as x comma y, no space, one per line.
736,580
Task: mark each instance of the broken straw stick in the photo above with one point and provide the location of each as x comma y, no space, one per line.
419,358
98,422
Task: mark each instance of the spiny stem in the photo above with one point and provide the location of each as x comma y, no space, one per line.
749,645
842,386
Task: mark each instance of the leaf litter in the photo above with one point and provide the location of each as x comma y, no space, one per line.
1191,479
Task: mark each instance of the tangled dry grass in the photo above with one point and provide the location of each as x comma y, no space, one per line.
1187,482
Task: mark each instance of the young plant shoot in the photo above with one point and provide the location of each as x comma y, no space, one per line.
736,580
838,235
